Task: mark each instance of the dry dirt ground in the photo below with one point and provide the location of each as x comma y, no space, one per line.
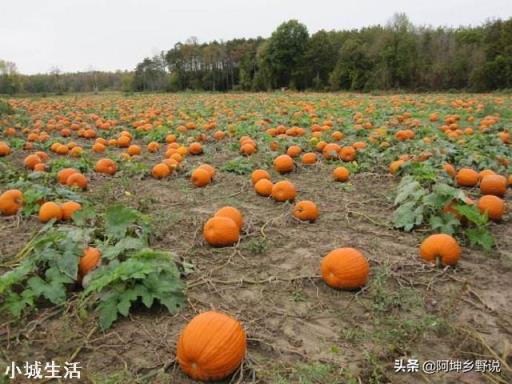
299,330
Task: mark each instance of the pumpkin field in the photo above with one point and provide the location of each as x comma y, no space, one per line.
278,237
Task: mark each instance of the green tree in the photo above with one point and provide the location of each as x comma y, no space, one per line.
9,78
286,55
320,57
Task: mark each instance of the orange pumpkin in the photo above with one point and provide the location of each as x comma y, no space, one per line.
64,173
153,147
395,166
11,202
309,158
449,169
259,174
493,206
211,347
485,172
283,191
293,151
89,260
263,187
49,211
99,147
134,150
340,174
161,170
345,268
493,185
283,164
441,247
210,169
77,180
247,149
232,213
69,208
195,148
348,153
331,151
31,161
200,177
305,210
106,166
4,149
466,177
221,231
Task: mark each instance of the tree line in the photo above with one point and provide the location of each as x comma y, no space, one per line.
395,56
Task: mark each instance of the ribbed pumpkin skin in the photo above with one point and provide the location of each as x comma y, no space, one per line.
263,187
345,268
493,206
11,202
221,231
440,245
283,164
283,191
466,177
232,213
493,185
211,347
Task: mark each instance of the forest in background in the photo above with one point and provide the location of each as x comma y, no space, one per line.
396,56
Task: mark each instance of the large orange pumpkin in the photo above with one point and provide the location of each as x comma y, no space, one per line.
467,177
493,206
305,210
4,149
11,202
160,170
345,268
221,231
263,187
200,177
441,247
232,213
493,185
211,347
106,166
340,174
283,164
283,191
49,211
259,174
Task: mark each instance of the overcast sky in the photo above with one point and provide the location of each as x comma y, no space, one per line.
77,35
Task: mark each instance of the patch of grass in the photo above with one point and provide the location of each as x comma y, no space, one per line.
239,165
123,377
298,296
256,246
385,298
313,373
374,369
5,108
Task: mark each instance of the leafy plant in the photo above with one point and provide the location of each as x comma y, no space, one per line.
147,275
239,165
130,271
417,205
50,266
